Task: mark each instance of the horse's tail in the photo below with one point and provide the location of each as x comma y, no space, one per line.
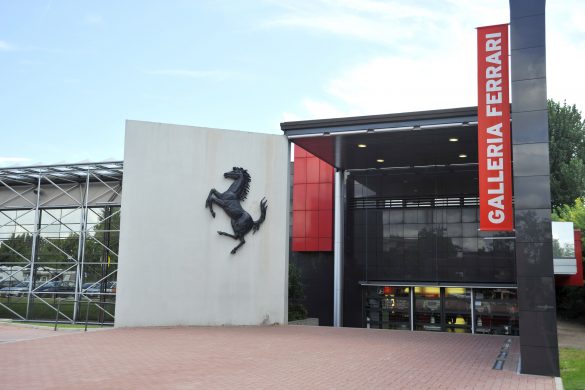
263,208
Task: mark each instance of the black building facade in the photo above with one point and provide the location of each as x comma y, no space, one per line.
413,255
417,229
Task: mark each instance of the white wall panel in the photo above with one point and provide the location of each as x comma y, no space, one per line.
174,268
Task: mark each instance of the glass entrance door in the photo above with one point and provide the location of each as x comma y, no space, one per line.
496,311
446,309
457,309
428,311
387,307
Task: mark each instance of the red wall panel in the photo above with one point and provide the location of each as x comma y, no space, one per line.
299,228
300,171
325,201
300,152
312,197
299,244
312,223
325,172
325,223
312,203
325,245
312,169
312,244
299,196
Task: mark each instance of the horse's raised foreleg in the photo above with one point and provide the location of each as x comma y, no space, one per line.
227,234
242,242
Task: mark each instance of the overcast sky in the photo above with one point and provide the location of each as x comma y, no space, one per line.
71,72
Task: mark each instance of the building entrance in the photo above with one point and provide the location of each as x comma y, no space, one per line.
388,307
441,309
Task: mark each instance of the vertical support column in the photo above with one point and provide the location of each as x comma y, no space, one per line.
530,145
472,311
289,208
412,308
339,214
81,249
33,256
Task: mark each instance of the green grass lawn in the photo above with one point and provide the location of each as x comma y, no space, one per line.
573,368
42,311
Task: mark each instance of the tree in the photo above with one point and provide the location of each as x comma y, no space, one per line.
105,234
567,153
16,249
56,251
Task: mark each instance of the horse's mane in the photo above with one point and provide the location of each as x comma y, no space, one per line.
243,194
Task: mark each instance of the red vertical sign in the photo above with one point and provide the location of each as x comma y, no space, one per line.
493,117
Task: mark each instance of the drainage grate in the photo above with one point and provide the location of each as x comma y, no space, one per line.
501,359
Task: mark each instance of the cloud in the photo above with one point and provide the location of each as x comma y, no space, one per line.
395,84
428,59
14,160
565,52
93,19
396,24
316,109
191,73
5,46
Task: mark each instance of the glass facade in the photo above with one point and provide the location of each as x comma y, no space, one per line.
496,311
427,309
415,226
432,237
441,309
457,309
387,307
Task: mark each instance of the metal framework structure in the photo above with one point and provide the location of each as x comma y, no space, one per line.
59,234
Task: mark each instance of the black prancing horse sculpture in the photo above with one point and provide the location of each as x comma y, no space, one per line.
229,201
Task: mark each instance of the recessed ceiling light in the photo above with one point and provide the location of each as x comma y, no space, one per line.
362,145
453,139
462,155
380,160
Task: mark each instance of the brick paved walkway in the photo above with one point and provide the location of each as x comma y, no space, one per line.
13,333
259,358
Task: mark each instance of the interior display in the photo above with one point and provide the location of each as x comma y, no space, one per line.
387,307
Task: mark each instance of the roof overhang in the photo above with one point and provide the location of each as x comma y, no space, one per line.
394,140
62,173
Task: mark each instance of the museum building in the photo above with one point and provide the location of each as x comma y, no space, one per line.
387,225
442,218
414,256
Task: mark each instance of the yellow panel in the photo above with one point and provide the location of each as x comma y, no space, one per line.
455,290
431,290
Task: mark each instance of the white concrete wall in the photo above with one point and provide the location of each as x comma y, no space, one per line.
174,268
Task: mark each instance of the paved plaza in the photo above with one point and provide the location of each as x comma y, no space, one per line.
275,357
